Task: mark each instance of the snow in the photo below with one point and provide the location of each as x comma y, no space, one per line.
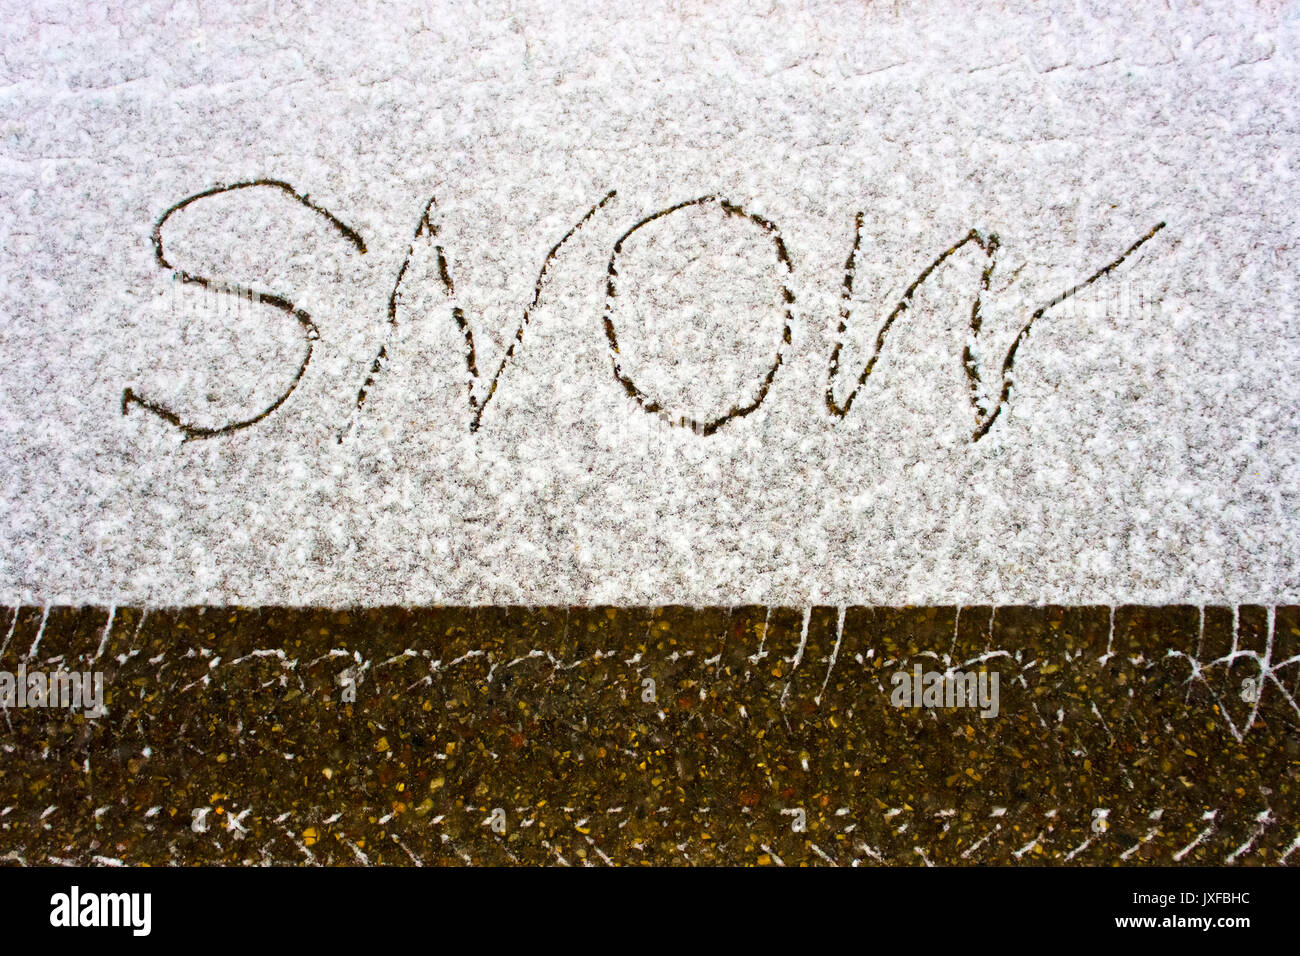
1148,451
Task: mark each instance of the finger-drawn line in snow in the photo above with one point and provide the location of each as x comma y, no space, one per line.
984,418
986,410
426,227
654,407
311,333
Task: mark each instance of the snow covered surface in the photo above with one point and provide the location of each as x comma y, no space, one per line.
1148,450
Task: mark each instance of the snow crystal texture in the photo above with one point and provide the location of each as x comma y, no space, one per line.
1146,450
